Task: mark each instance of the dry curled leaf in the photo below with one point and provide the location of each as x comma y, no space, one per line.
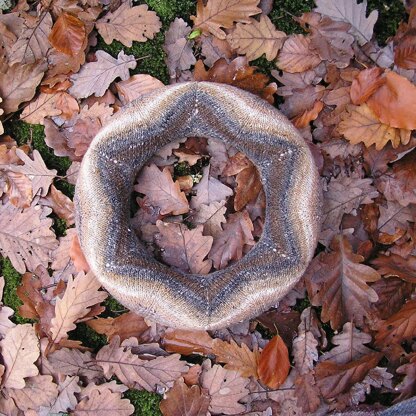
187,342
136,86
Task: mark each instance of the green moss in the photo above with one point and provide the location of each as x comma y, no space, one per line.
168,10
12,280
59,225
88,337
390,14
282,13
112,307
23,133
145,403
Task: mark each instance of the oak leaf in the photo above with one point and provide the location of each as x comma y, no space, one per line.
66,399
257,38
274,364
338,282
394,217
132,371
187,342
18,187
296,55
33,43
96,77
68,34
238,358
5,313
305,351
302,120
178,48
395,265
61,205
407,387
360,124
36,170
214,49
127,24
405,50
334,379
399,327
217,14
38,391
19,350
182,400
18,84
211,217
105,402
239,74
81,293
37,110
127,325
226,388
77,256
113,386
73,362
183,248
161,190
307,393
394,103
352,12
26,237
228,246
248,187
349,345
136,86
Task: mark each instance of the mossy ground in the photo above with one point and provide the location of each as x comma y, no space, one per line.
153,63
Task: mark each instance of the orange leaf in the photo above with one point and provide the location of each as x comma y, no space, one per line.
187,342
274,363
405,51
68,34
366,84
394,103
77,256
302,120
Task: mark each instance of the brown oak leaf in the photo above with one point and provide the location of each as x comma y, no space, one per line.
18,187
136,86
407,387
161,190
187,342
96,77
80,295
307,393
366,84
127,24
183,248
182,400
338,282
257,38
397,266
248,187
61,205
211,217
19,350
217,14
43,106
132,371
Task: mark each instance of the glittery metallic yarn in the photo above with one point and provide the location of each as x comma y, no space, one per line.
245,288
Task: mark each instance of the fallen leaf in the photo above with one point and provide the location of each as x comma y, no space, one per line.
366,84
214,49
209,190
182,400
352,12
77,256
187,342
248,187
33,44
38,391
161,190
239,74
105,402
26,237
178,48
127,24
37,110
217,14
407,387
226,388
296,55
257,38
18,84
307,393
399,327
68,34
338,282
238,358
136,86
349,345
397,266
19,351
127,325
113,386
18,187
228,246
183,248
305,351
137,373
405,51
394,103
360,124
274,364
96,77
81,293
301,121
334,379
211,217
61,205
